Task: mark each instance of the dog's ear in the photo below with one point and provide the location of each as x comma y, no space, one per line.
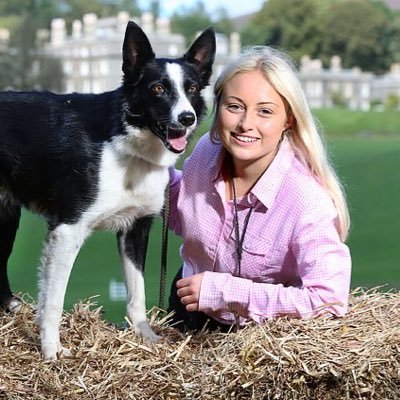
202,53
136,52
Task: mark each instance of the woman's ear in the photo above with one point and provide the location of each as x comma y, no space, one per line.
289,120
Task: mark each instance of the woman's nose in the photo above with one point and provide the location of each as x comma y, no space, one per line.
246,122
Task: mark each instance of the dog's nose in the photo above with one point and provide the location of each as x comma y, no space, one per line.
187,118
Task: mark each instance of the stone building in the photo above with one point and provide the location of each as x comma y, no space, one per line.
325,88
91,56
91,59
388,84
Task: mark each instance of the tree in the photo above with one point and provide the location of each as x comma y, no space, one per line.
23,66
363,33
288,24
222,23
7,74
71,10
357,31
393,38
190,20
23,45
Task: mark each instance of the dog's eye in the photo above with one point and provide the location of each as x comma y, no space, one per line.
158,88
193,88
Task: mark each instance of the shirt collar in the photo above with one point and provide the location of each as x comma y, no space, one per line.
267,187
270,181
219,163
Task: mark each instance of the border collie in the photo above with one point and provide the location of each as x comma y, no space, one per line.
97,161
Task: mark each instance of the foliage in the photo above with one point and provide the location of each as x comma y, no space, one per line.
392,102
24,18
74,9
17,65
6,70
393,37
338,99
222,23
363,33
190,20
358,44
290,24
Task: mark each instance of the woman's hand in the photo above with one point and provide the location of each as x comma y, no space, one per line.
189,291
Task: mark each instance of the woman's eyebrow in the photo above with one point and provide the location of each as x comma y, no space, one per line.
239,99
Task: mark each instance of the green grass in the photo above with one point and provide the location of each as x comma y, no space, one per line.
369,167
97,263
342,123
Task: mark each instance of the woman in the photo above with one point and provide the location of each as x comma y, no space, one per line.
260,209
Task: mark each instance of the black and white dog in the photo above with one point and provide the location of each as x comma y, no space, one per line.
88,162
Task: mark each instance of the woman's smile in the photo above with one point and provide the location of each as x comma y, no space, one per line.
240,137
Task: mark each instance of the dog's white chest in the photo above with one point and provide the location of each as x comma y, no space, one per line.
129,188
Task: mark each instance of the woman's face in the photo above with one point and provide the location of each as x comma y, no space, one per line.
251,119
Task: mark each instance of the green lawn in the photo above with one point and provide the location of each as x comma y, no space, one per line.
370,170
342,123
368,163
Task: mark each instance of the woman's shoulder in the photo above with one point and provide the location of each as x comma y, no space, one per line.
206,144
204,151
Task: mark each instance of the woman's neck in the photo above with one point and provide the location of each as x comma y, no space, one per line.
245,175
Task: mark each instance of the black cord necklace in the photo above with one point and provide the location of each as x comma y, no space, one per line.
239,239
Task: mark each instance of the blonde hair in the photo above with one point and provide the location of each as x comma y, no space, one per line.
304,134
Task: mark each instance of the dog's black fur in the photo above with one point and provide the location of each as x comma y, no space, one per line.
56,152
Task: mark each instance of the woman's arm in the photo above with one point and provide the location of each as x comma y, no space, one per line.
323,266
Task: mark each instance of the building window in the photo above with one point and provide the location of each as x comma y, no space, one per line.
103,67
348,90
68,68
365,92
87,86
84,52
85,68
314,88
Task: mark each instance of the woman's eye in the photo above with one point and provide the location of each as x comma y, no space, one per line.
158,88
265,112
192,88
233,107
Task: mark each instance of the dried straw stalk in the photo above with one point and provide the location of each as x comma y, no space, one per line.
355,357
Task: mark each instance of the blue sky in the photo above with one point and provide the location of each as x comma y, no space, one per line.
234,7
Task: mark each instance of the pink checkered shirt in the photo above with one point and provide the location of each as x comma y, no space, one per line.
293,261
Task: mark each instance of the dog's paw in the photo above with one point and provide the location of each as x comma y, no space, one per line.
143,329
51,352
12,305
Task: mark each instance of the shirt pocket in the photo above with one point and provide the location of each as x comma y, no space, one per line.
262,260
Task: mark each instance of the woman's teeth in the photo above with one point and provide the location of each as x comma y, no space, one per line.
245,139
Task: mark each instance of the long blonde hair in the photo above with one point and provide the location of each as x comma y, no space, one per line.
304,134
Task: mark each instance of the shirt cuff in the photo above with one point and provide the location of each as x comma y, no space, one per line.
224,292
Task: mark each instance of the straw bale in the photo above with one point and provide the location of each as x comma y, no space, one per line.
354,357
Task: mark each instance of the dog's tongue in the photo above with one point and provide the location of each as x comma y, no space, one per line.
178,144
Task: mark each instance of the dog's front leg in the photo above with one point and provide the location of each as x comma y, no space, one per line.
133,247
60,250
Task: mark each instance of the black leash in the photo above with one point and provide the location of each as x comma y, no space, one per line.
164,249
239,239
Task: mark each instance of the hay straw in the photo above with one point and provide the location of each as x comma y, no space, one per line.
354,357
